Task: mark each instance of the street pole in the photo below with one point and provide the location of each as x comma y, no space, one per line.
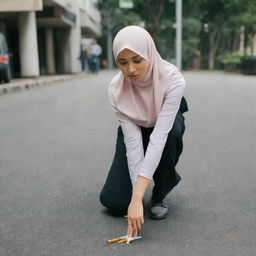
109,44
179,34
110,57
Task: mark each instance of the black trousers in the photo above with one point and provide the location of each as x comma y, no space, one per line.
117,191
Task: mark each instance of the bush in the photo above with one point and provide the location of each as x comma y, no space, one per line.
231,61
248,65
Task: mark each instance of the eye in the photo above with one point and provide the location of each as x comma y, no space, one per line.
122,62
137,61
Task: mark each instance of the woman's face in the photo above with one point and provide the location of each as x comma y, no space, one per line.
131,64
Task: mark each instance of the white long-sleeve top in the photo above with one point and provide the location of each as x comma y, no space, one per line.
138,163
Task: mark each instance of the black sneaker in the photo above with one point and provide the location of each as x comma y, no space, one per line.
158,210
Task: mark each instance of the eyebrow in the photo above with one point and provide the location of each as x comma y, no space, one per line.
133,57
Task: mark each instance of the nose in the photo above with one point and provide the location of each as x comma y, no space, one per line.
131,68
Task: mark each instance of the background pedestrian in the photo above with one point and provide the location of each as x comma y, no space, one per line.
94,56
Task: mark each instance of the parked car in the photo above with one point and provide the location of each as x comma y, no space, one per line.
5,69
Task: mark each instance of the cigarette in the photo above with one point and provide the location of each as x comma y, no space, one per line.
133,239
128,240
123,240
116,239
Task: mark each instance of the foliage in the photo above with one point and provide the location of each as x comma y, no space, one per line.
224,19
248,65
211,27
231,61
153,13
114,17
191,39
231,58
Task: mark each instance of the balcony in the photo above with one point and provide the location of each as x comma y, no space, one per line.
90,22
56,16
20,5
55,3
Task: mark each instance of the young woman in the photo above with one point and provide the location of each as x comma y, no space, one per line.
147,97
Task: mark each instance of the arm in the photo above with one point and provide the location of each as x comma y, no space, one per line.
135,156
133,142
164,123
154,151
135,210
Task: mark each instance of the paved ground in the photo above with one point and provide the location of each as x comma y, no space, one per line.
18,84
57,144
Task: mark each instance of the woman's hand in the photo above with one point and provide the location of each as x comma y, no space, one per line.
135,209
135,217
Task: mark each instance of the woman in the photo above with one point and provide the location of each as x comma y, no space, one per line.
147,97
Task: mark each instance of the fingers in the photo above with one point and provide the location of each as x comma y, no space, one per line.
134,227
130,229
138,223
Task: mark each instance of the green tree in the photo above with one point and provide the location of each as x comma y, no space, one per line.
191,39
113,19
222,21
246,18
215,27
159,17
152,13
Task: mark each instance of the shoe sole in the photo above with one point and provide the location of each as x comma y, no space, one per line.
158,217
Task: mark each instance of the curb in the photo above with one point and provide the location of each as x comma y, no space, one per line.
35,82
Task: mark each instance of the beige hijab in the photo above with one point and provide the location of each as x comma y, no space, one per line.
141,101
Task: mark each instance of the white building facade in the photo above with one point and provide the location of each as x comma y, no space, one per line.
45,36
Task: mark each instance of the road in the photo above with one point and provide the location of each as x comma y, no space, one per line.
57,143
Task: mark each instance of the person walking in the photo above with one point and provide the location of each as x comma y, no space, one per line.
83,58
147,97
94,56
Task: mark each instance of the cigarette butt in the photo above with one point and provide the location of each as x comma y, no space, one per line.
129,240
123,240
114,240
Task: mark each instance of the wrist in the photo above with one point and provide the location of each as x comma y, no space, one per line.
136,197
139,189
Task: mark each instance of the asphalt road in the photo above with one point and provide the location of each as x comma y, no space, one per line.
57,143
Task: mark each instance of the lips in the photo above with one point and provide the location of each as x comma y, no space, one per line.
133,76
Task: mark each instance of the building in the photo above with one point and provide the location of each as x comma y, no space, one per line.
45,36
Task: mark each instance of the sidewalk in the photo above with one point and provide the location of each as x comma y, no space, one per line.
26,83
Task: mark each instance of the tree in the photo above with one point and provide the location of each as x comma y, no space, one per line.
190,42
113,19
212,26
246,18
222,20
152,13
159,17
213,17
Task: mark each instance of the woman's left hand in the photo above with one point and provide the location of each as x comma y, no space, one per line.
135,217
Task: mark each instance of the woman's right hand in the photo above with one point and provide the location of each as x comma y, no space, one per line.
135,217
135,209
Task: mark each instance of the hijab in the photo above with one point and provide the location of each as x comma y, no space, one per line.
140,100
